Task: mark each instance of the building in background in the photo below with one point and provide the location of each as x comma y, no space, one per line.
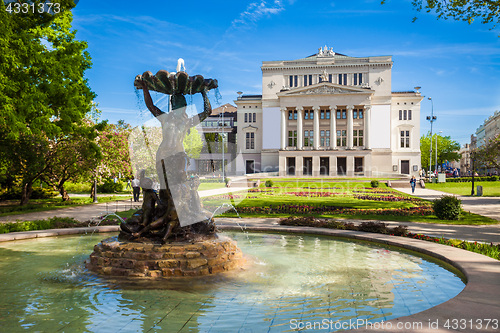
329,115
219,130
485,132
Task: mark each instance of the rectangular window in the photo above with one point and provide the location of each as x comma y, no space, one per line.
296,80
340,78
344,115
327,134
311,114
360,78
409,114
248,140
338,114
357,136
295,115
310,79
360,113
355,114
290,82
405,139
254,117
322,138
290,115
404,114
355,79
327,114
246,117
400,114
306,114
341,138
320,79
330,78
252,140
322,114
345,79
292,138
308,138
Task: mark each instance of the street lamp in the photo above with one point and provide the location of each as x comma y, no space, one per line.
223,146
431,119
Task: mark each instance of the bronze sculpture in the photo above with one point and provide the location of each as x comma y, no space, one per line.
175,212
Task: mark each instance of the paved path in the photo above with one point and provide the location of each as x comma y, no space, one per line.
486,206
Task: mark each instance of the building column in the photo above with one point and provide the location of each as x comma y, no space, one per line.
367,117
333,126
349,126
283,128
316,128
315,166
300,132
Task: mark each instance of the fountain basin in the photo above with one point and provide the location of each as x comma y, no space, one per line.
112,257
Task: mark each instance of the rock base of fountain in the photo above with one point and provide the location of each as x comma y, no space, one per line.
116,258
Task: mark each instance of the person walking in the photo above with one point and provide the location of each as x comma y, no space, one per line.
136,189
413,183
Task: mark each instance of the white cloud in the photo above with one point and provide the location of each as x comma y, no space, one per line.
255,11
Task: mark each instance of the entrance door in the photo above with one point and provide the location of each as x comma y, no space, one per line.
324,166
341,166
308,166
358,164
290,166
250,166
405,167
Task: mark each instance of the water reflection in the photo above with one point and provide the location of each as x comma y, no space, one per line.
45,287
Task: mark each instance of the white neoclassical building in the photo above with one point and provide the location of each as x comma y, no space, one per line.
329,115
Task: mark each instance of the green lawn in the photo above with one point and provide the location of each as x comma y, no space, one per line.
12,207
334,199
210,186
490,189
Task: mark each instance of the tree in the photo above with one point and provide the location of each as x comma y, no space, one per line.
489,153
193,143
114,147
43,92
446,147
488,11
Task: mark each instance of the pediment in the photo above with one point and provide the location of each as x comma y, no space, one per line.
325,88
250,128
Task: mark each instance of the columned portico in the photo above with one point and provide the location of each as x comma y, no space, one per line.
349,126
300,131
316,128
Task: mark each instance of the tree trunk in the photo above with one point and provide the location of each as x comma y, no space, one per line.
26,193
64,194
92,192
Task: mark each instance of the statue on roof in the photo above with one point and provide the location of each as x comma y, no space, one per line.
325,52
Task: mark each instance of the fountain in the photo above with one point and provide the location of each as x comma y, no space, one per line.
171,235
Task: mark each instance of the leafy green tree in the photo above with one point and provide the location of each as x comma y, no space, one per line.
114,147
488,11
43,92
446,147
193,143
489,153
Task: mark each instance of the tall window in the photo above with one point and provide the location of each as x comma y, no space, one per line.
293,81
306,114
358,78
343,79
357,136
322,114
400,114
324,138
308,138
330,78
409,114
292,138
327,116
292,114
246,117
254,117
305,80
405,139
250,140
341,138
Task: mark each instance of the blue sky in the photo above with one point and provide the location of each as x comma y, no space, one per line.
457,64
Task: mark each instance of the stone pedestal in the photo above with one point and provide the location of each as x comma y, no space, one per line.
117,258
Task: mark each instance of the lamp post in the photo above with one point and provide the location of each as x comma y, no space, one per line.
223,146
431,119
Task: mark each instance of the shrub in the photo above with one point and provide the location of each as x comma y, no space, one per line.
77,187
269,183
447,207
38,193
110,186
374,183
